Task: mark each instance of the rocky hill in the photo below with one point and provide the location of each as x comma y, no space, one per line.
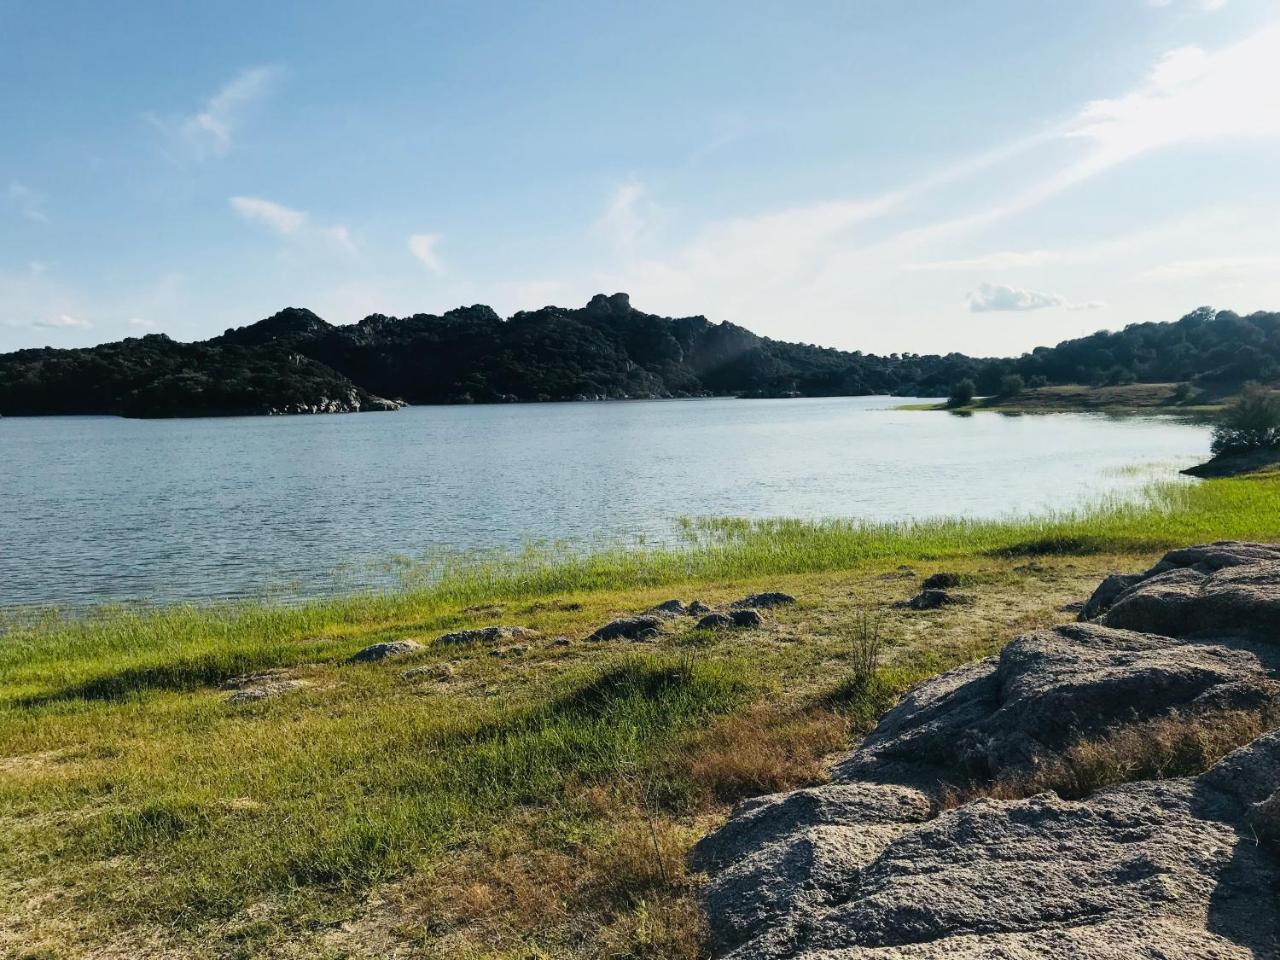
295,362
921,849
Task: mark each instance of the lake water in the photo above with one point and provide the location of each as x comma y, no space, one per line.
101,509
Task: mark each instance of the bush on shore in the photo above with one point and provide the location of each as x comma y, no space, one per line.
1252,422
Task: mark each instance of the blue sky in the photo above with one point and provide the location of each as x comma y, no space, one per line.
884,175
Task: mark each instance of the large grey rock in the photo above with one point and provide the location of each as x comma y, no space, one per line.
1105,594
867,867
1051,687
1183,602
1204,559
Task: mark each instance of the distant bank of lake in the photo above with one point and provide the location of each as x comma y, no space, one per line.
98,509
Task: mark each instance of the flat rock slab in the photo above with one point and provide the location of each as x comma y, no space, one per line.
384,651
487,635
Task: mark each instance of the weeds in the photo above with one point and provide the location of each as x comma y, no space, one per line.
1175,746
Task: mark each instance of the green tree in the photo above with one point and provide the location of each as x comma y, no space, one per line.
1011,384
1252,422
962,393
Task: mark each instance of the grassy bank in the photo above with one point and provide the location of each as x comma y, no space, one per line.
1144,398
536,804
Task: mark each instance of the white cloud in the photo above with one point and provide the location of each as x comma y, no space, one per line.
990,297
62,321
211,130
28,202
140,324
423,246
278,217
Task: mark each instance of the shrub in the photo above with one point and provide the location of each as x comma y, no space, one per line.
962,393
1251,423
1011,384
1182,392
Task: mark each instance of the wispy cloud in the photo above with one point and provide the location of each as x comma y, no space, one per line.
1004,260
1208,6
423,247
628,217
62,321
288,222
277,216
28,202
1190,96
990,297
1215,267
211,131
138,323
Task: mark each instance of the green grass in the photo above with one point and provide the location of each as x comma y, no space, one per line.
136,799
369,791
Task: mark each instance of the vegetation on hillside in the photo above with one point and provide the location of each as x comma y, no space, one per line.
156,376
295,362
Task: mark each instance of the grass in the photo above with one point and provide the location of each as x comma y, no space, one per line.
528,806
1143,398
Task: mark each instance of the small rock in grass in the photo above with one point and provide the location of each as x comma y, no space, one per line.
430,671
941,581
668,608
381,651
516,651
562,642
644,627
763,601
697,609
932,600
741,619
498,634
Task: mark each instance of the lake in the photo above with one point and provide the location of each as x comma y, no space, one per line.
99,509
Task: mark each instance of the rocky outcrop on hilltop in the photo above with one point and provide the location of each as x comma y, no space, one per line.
884,863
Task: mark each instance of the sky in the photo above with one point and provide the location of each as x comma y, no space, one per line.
880,175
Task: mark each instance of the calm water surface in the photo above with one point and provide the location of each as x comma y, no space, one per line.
101,509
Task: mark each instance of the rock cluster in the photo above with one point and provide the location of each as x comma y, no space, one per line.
870,866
